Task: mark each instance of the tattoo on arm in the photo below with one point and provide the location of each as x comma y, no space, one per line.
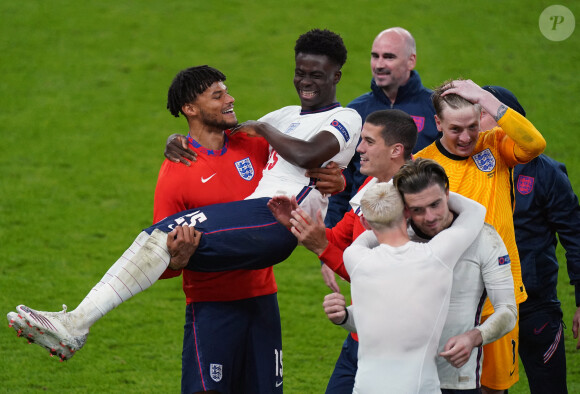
500,112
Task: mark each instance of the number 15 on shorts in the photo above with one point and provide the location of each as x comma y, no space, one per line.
278,362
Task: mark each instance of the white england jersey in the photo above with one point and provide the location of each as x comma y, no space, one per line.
283,178
485,264
402,298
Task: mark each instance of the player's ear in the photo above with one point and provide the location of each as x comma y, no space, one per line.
189,109
337,76
406,213
438,123
398,150
365,223
412,61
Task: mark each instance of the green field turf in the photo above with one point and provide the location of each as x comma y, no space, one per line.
83,125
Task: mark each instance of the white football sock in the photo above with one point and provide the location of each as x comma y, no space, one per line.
129,253
140,266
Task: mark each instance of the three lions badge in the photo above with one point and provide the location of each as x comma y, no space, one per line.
245,168
484,160
215,371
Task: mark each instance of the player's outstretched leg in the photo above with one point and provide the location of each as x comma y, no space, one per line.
63,333
58,332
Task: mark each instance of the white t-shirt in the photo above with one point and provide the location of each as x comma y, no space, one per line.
283,178
402,298
482,270
484,265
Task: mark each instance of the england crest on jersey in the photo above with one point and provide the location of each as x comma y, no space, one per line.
419,122
245,168
525,184
215,371
292,127
484,160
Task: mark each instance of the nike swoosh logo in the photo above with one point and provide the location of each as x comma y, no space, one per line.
539,330
204,180
512,372
278,384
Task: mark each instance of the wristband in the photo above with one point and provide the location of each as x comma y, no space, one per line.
345,318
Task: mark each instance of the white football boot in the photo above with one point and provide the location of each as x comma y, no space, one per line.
54,331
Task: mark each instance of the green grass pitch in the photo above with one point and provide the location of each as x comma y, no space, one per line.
83,124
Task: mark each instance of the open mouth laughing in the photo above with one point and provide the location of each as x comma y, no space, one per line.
229,111
308,94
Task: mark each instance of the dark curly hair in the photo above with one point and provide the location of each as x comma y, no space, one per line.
322,42
190,83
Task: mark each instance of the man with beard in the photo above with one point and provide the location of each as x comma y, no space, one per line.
245,354
480,272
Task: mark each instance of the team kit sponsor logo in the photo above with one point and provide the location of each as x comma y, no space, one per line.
204,180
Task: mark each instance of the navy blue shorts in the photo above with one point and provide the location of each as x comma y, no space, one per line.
342,378
236,235
233,347
542,351
466,391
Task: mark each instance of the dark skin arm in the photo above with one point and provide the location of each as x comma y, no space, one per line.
306,154
329,178
177,150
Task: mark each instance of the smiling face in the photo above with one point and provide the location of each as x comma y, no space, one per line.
391,60
375,154
429,209
460,128
315,79
215,107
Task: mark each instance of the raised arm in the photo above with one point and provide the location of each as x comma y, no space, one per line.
528,142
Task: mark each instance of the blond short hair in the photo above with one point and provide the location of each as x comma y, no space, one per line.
453,101
382,206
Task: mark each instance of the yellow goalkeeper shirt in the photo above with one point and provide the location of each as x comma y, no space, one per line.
486,177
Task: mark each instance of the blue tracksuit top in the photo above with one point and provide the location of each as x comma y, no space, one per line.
545,204
412,98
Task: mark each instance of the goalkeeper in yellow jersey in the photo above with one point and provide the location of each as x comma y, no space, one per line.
479,165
